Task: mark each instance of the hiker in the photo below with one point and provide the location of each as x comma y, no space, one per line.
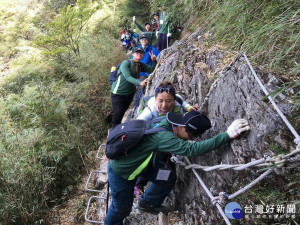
134,40
147,49
125,39
123,89
155,22
140,161
122,31
165,100
164,30
147,30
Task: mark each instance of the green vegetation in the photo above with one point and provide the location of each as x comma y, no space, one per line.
267,30
65,32
53,102
129,9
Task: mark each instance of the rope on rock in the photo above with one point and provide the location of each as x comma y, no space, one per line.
209,193
292,129
217,167
275,161
257,180
220,199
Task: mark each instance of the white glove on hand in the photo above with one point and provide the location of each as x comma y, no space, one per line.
156,33
237,127
133,19
169,35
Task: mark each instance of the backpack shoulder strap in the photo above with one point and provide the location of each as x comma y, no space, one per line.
119,65
156,130
154,121
129,63
179,99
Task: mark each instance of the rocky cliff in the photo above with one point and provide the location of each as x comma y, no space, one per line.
222,83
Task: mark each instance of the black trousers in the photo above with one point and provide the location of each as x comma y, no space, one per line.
162,41
120,103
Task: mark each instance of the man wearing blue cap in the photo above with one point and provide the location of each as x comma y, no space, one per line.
123,89
141,161
148,49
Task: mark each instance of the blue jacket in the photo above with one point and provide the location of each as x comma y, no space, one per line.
147,59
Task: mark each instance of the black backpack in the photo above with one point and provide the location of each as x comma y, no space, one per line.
127,135
114,72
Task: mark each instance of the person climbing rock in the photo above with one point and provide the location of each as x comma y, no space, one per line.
123,172
165,100
123,89
147,30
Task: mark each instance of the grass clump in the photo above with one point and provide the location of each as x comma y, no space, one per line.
53,112
267,30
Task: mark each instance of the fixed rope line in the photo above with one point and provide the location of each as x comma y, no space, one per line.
209,193
275,161
257,180
294,132
218,167
220,199
293,152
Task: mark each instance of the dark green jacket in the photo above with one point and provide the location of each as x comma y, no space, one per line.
139,157
164,25
127,77
150,35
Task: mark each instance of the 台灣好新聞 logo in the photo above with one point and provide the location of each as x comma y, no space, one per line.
233,211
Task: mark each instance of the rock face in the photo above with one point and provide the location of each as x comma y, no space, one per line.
221,82
226,90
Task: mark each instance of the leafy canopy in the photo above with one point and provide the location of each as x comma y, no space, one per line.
65,32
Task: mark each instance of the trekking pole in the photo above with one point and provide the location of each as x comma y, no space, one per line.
167,42
107,197
138,101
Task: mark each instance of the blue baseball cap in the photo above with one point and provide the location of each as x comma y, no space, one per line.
138,50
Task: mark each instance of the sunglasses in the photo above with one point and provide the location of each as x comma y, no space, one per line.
165,89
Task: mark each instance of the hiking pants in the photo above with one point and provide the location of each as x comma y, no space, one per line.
162,41
120,103
122,193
